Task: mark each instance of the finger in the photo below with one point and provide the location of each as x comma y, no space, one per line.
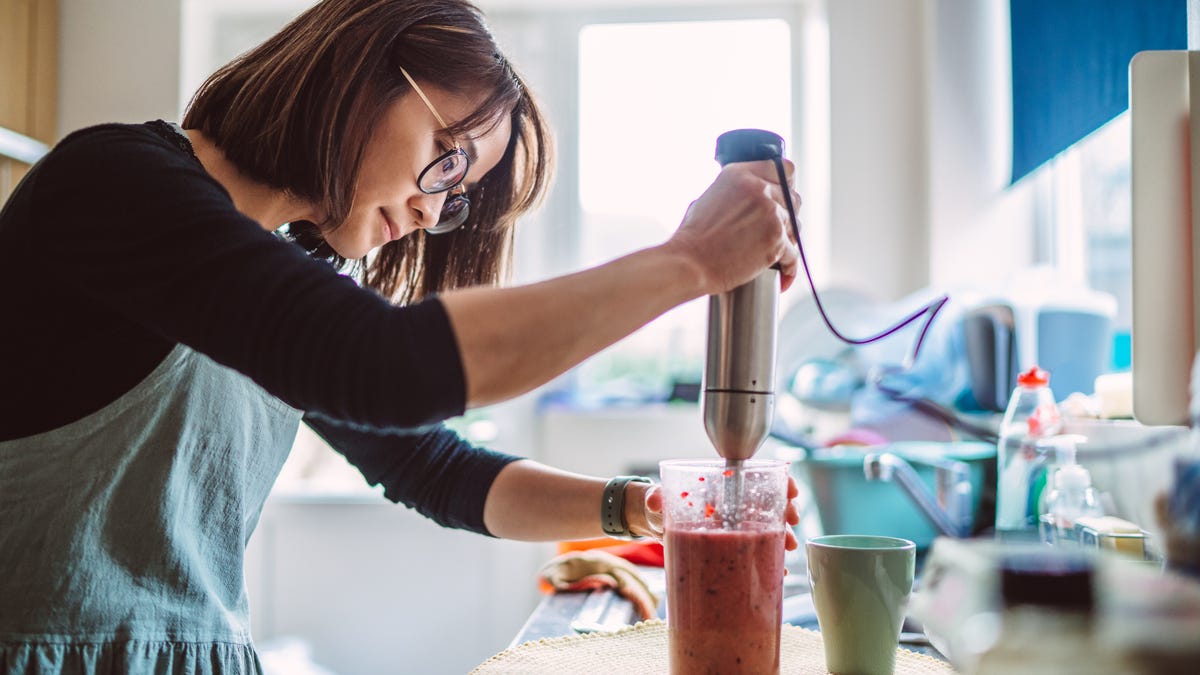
782,212
653,509
655,528
792,512
792,195
767,170
654,500
790,233
788,252
790,543
789,265
763,169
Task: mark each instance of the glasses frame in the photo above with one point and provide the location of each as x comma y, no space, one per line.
457,207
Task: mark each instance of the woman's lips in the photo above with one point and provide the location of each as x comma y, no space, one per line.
391,231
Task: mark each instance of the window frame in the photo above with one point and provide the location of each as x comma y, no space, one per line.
550,244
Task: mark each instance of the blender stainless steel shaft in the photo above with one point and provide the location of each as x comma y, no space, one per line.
739,385
739,376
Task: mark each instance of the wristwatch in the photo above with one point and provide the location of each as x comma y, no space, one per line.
612,506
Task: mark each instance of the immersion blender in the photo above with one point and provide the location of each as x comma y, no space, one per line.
739,374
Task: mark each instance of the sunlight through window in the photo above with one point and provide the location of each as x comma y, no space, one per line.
654,97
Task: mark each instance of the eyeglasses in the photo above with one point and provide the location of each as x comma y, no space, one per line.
446,173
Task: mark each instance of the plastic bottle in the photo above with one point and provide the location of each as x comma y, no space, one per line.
1032,415
1071,496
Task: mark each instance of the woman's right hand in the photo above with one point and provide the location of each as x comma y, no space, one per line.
739,227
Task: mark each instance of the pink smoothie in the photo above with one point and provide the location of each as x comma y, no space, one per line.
724,600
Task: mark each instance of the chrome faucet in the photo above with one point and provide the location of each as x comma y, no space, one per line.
950,510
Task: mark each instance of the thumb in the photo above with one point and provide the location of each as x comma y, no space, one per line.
654,500
654,505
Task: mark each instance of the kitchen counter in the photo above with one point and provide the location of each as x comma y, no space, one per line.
554,615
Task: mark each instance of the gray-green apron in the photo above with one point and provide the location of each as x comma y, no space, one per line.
122,534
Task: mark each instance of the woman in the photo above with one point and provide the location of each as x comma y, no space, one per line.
155,379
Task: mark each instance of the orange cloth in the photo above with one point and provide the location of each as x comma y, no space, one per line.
646,552
596,569
584,544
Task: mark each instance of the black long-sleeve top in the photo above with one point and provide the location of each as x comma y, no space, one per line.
118,245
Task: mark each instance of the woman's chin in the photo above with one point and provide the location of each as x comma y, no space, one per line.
351,251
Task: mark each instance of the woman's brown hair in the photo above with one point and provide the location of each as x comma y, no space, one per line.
297,111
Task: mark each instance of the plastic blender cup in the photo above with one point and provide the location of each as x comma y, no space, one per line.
724,565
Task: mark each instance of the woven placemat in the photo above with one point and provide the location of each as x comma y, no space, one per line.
642,648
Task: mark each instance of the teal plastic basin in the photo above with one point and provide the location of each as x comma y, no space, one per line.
848,503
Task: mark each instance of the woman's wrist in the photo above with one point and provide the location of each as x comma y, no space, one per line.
642,521
690,275
619,508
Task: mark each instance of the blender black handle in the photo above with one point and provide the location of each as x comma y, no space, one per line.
749,145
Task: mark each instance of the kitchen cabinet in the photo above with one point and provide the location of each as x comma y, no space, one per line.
373,587
28,78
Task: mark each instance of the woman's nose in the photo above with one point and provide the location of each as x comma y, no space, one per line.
428,208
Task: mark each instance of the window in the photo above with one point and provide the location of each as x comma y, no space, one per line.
653,99
1105,210
1090,210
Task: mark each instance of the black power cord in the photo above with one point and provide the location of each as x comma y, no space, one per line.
930,309
924,406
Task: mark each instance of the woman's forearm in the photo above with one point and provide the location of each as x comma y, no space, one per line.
529,501
512,340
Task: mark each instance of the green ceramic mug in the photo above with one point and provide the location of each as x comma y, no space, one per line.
860,586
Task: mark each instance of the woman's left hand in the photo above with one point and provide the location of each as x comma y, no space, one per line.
644,514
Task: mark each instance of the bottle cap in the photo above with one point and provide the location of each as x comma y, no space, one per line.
1034,377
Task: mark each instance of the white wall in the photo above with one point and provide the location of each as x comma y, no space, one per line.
921,115
118,62
879,145
981,229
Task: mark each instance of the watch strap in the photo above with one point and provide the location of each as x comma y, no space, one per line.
612,506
